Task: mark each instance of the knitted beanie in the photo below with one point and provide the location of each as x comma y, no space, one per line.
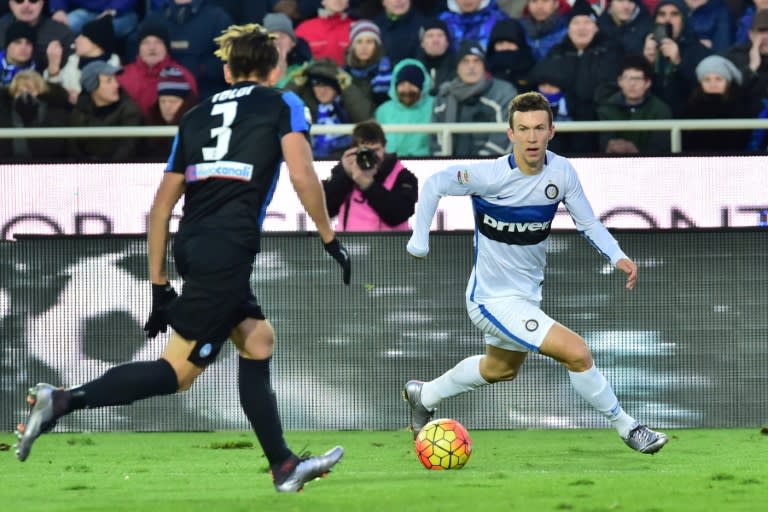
19,30
173,83
410,73
101,33
364,28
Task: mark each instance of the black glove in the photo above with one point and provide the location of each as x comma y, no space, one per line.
340,254
162,296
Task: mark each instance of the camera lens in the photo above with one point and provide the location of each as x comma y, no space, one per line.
366,158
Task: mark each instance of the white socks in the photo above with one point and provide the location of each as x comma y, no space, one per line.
590,385
463,377
593,387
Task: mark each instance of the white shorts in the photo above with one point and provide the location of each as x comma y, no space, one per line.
517,325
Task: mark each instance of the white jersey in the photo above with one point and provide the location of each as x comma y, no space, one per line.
513,216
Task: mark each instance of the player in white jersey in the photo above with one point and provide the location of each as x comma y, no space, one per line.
515,199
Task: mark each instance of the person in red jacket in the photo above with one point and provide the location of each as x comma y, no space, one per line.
140,78
328,33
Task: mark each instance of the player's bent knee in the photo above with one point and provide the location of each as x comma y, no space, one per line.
494,371
501,375
255,339
186,373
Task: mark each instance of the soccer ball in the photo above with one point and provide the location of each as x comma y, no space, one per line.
443,444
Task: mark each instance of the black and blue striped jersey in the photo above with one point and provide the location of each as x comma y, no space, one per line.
229,150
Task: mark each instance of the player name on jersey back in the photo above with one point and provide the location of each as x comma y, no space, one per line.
231,94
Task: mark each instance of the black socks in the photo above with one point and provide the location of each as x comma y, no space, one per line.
121,385
260,406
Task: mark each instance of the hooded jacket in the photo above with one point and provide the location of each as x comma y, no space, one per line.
394,112
674,83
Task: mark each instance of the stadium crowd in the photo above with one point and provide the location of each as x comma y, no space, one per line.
146,62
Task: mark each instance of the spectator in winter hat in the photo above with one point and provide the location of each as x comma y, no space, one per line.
716,73
192,27
473,97
410,103
95,42
674,58
91,78
332,98
294,51
625,23
369,67
139,78
718,95
51,36
18,52
101,33
436,53
573,72
509,56
328,33
175,97
102,104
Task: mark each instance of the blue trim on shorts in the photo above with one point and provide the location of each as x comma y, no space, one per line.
487,314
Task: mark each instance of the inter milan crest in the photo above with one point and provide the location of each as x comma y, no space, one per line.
551,191
531,325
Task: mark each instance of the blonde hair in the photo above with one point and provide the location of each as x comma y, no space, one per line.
247,49
28,76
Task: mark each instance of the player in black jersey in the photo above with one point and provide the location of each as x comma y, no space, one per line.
225,162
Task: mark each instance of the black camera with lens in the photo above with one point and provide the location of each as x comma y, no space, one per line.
366,158
661,31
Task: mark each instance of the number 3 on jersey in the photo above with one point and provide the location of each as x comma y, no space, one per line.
222,133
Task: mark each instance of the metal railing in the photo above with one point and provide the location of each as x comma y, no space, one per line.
675,127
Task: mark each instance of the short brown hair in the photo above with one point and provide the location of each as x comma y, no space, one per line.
367,132
529,102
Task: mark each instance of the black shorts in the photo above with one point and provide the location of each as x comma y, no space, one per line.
216,295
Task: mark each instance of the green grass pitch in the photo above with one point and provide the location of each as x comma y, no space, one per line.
560,470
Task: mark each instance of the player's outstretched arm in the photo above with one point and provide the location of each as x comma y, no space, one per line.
440,184
628,266
418,245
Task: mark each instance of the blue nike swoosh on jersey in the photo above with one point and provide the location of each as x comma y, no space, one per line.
499,198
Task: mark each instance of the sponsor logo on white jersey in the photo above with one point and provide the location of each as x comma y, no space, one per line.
515,227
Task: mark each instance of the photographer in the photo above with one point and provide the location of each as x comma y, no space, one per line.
674,51
370,190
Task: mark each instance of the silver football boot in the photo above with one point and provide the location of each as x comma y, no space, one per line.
420,415
308,469
645,440
41,418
